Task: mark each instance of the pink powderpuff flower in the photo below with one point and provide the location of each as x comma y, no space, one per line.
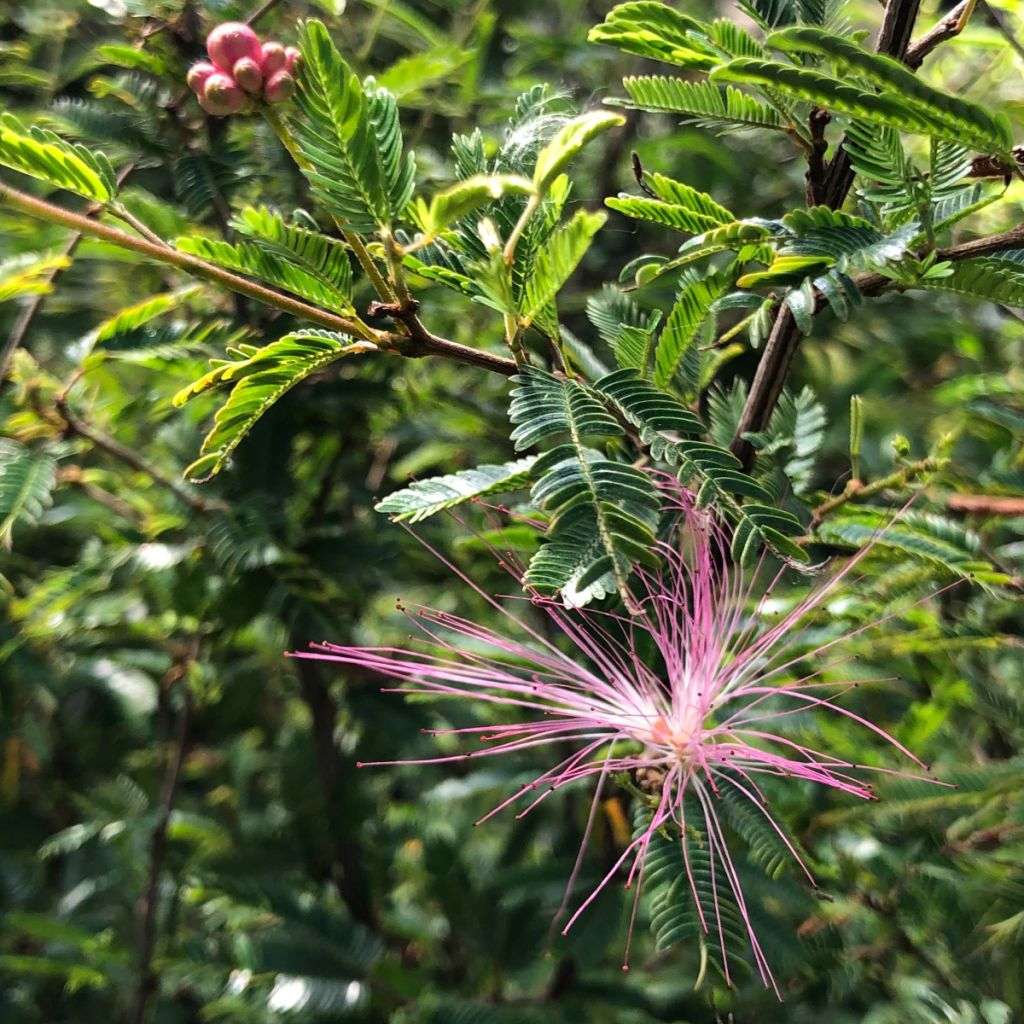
709,716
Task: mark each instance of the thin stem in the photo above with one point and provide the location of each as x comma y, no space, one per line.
514,339
263,9
830,188
419,344
855,489
874,284
74,424
427,344
729,334
951,26
352,240
394,258
122,213
25,203
147,982
986,504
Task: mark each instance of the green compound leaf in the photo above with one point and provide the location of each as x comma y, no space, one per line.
658,31
569,140
623,327
715,472
603,513
465,197
27,479
260,377
131,318
688,315
325,283
958,119
886,108
703,915
993,279
677,206
350,136
555,261
44,155
701,103
425,498
30,273
923,536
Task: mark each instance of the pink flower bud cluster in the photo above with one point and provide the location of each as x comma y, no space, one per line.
241,69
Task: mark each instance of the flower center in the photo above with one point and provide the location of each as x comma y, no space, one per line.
678,732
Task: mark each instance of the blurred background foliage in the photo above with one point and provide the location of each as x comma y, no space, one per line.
183,833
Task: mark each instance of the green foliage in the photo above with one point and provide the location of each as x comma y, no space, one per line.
428,497
992,279
935,539
676,918
794,437
205,182
27,479
350,138
603,513
702,103
623,327
771,846
29,274
713,471
44,155
883,108
555,262
682,329
655,30
138,315
260,377
306,263
463,198
143,621
567,143
952,117
677,206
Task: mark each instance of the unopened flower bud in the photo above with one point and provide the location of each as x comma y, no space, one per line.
230,42
274,58
222,96
292,56
198,74
248,75
280,85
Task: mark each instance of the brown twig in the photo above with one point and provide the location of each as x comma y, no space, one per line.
997,20
985,504
72,476
74,424
25,203
147,981
345,867
948,28
817,120
855,489
426,344
263,9
832,188
985,838
874,284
